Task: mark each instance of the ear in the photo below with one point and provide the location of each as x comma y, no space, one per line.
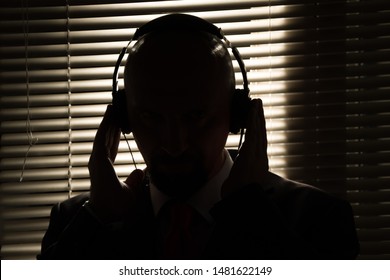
239,110
120,110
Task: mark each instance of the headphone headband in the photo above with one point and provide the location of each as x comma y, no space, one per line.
178,22
184,22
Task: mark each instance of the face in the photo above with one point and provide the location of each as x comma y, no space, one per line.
179,107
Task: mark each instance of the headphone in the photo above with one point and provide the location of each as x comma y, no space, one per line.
240,101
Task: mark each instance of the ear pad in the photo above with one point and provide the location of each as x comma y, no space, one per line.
239,110
120,110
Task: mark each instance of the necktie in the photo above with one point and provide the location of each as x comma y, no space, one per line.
179,240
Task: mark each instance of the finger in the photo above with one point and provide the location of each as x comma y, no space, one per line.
252,132
262,126
133,182
255,144
135,178
262,135
113,139
105,145
107,136
104,126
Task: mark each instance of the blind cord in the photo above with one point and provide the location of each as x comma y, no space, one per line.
270,66
269,46
68,76
30,137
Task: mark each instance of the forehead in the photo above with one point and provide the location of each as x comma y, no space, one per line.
176,69
176,91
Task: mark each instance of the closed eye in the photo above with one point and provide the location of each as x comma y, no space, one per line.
148,116
196,116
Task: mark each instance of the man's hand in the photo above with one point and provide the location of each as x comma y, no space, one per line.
251,164
111,199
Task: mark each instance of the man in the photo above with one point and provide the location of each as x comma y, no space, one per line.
192,201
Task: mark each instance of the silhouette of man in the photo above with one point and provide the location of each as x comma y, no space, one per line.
179,86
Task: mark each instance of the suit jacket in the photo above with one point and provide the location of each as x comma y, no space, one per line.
281,220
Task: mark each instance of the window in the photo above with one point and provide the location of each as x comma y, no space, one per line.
321,68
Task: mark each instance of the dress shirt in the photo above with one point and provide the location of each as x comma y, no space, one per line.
205,198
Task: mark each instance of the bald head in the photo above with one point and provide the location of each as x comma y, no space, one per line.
181,59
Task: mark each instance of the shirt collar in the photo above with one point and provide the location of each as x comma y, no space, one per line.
204,199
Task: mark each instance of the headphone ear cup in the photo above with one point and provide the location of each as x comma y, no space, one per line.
239,110
120,110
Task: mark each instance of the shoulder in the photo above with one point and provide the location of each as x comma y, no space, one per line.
74,203
277,183
68,208
296,199
284,189
293,200
289,192
61,215
302,219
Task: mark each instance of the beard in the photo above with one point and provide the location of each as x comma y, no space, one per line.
178,177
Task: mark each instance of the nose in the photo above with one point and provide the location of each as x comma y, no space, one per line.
175,137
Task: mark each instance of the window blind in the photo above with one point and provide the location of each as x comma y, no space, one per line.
321,68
